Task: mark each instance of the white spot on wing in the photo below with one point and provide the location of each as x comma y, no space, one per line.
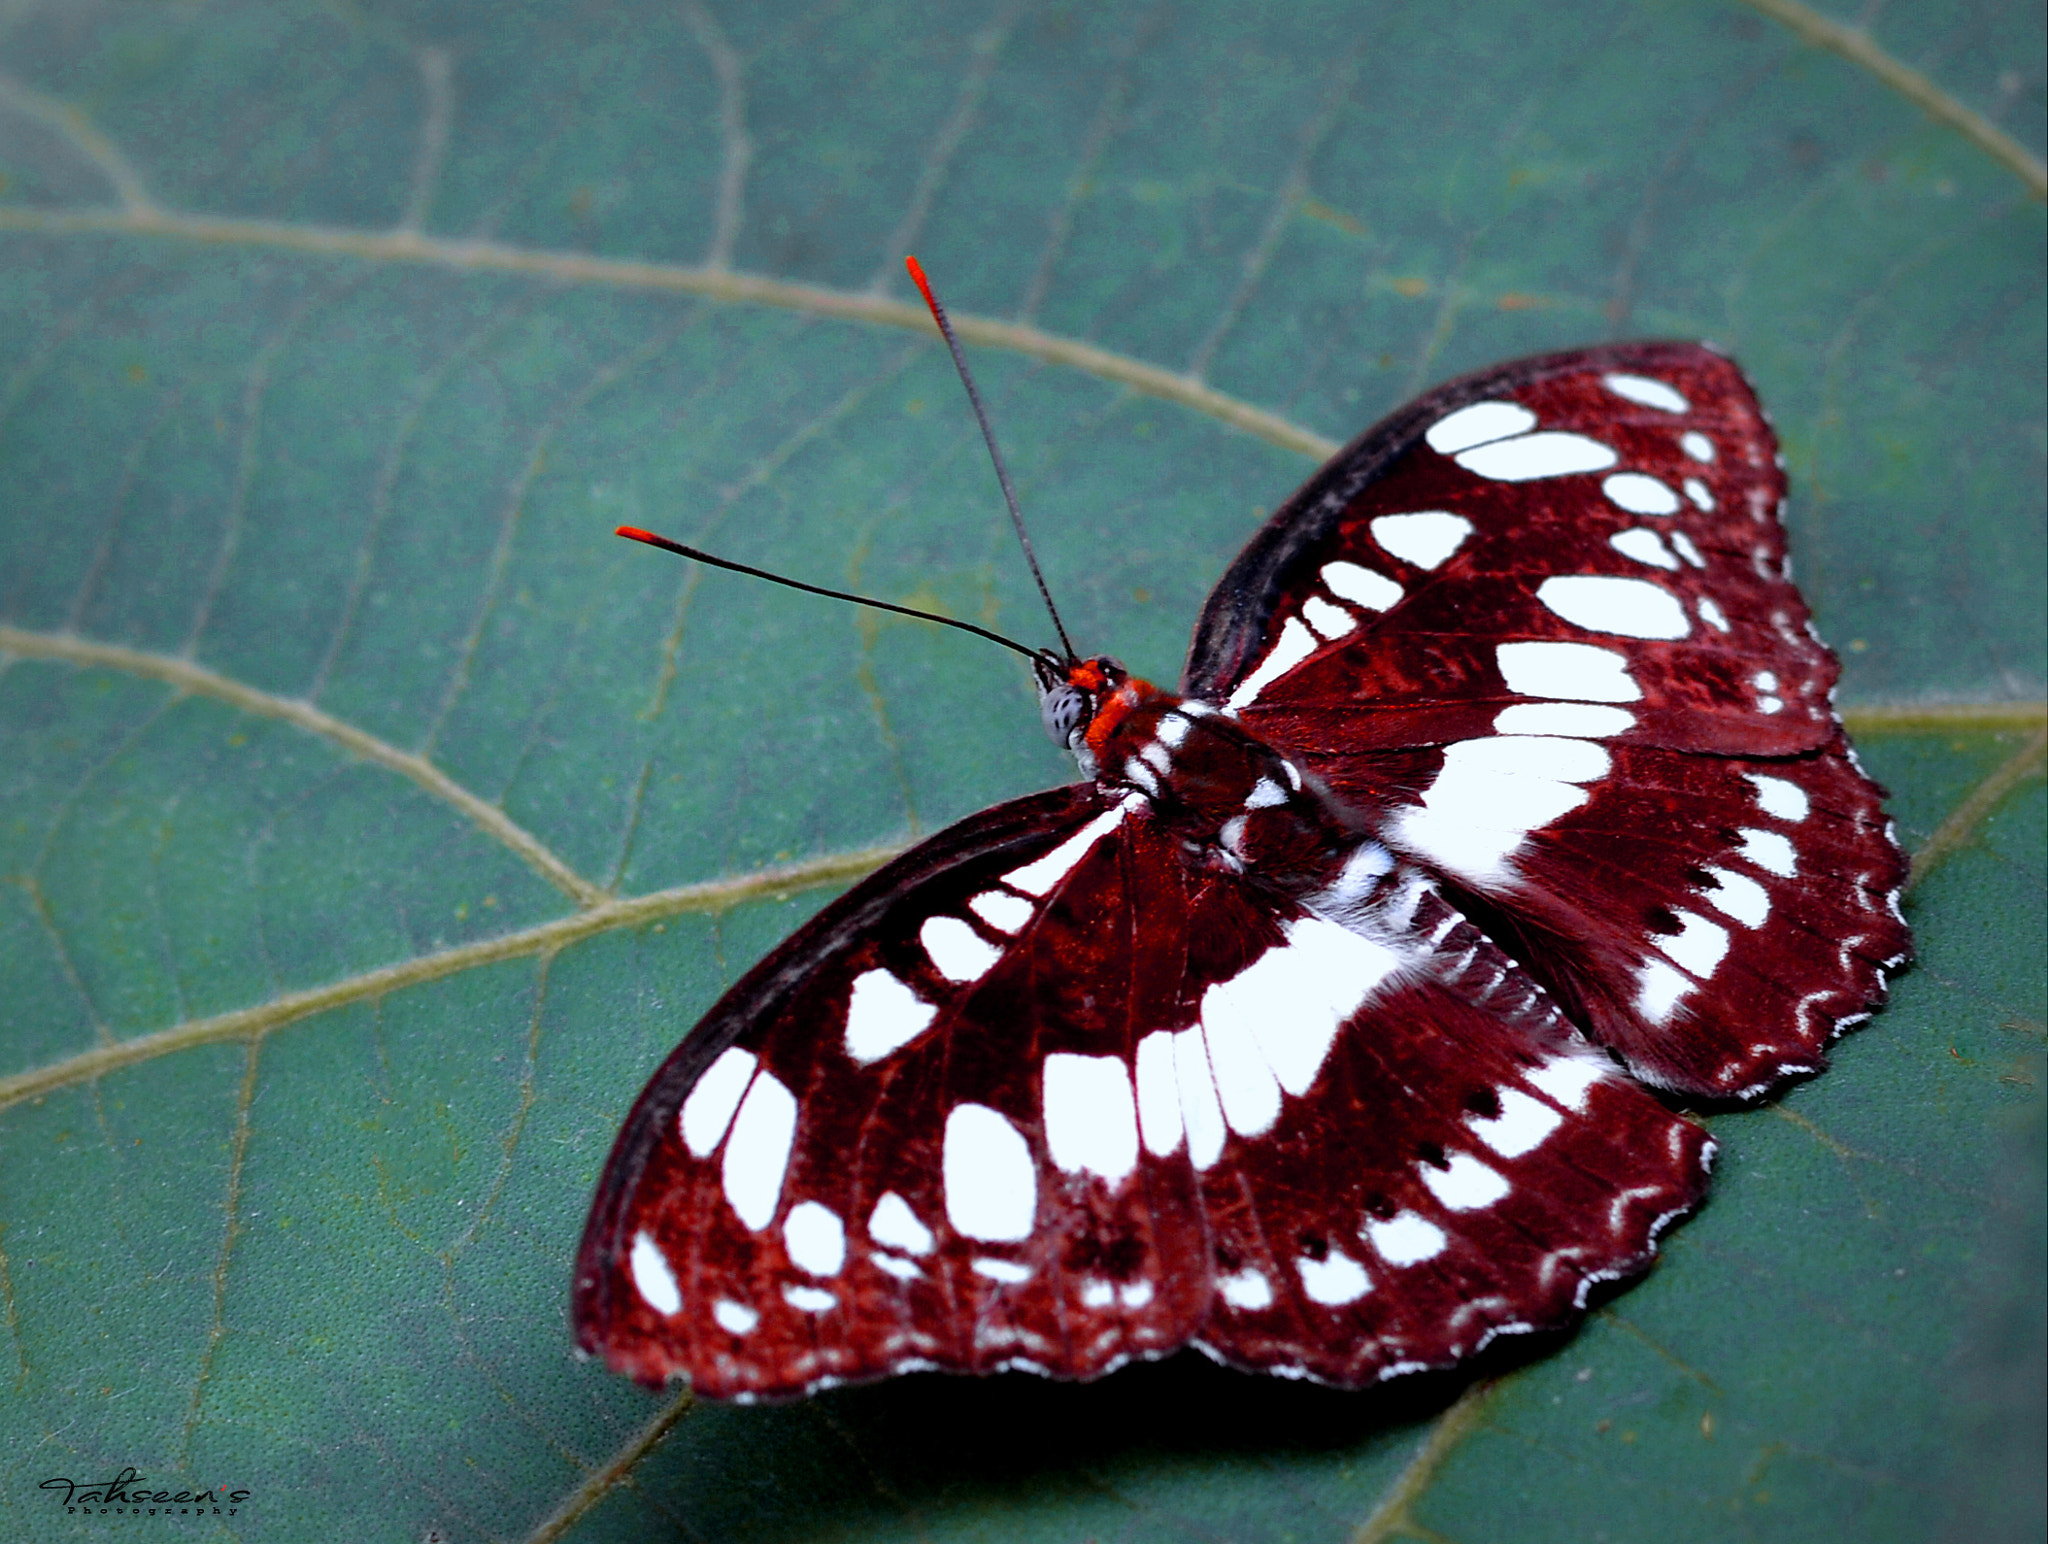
1328,620
1607,603
1466,1186
1295,644
1768,851
1135,1294
757,1154
1406,1239
883,1014
1334,1280
1290,1002
1521,1126
1581,720
1779,798
1424,538
815,1238
896,1225
708,1110
1361,586
1740,897
1580,671
1699,493
1006,1271
1537,455
1097,1294
1687,550
1477,424
1199,1111
1711,614
652,1278
1040,875
1004,912
1649,392
1090,1122
1697,445
1490,794
1698,945
1640,494
1566,1079
809,1299
1250,1095
1158,1099
1645,546
1173,729
734,1318
1541,758
1658,990
897,1266
959,953
991,1183
1136,771
1247,1289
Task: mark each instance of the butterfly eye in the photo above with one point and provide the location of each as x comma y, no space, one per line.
1064,709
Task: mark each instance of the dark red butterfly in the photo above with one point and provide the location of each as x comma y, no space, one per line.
1317,1027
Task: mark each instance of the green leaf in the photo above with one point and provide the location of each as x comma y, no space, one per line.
372,822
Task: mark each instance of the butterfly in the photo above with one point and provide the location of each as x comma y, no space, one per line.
1332,1023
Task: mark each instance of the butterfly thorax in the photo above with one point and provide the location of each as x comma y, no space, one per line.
1239,805
1222,790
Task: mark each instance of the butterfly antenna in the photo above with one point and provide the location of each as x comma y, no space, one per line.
1002,472
634,533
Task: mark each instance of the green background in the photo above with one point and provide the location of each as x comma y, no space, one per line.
334,340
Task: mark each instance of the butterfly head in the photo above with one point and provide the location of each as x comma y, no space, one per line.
1071,693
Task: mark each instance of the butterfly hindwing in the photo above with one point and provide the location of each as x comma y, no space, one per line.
1540,622
1441,1184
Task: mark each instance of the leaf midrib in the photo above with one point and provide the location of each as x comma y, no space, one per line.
600,912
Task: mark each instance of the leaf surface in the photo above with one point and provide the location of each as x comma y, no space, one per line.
372,822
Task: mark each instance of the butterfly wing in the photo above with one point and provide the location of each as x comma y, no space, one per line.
844,1171
1542,621
1050,1093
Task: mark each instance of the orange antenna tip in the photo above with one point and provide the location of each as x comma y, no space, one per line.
917,277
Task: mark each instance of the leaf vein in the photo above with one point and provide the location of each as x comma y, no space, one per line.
399,246
1860,49
543,939
197,680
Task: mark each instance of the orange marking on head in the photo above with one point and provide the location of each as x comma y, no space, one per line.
1088,675
1120,705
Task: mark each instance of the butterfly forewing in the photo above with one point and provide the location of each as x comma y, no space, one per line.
1587,556
1540,623
887,1178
